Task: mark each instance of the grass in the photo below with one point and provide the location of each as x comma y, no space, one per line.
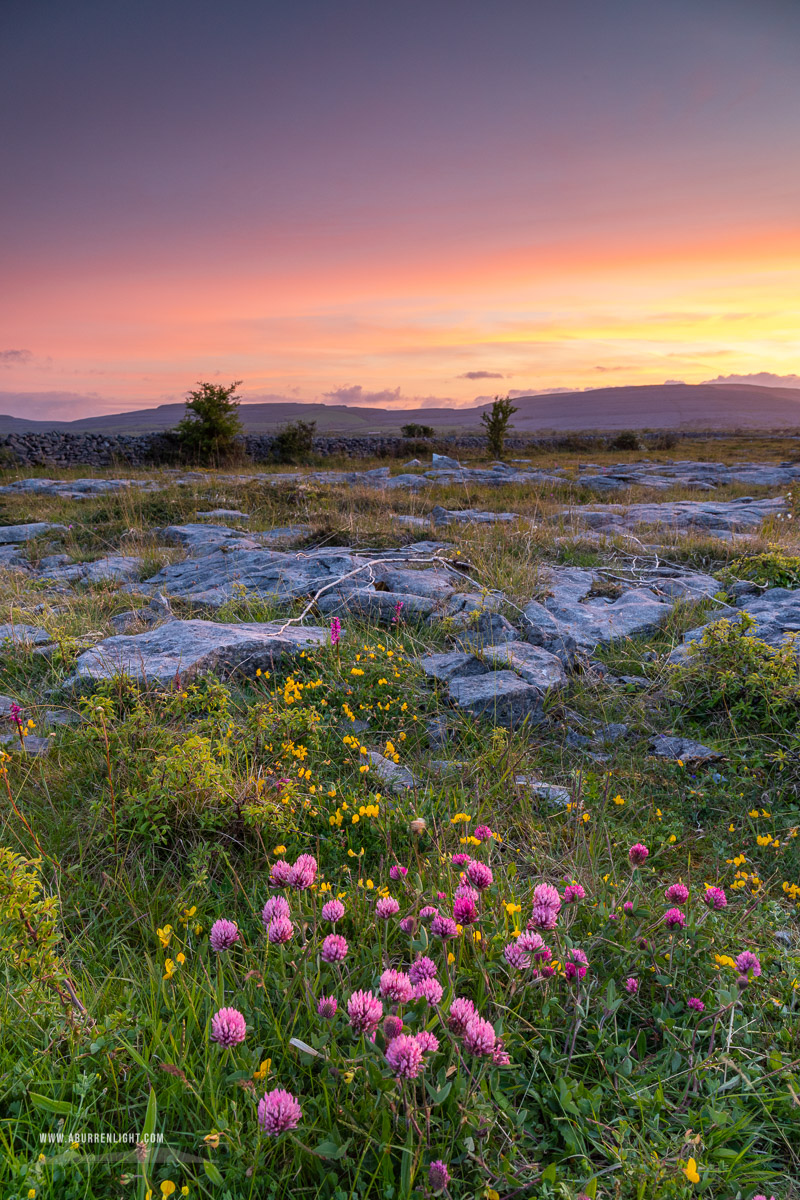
163,810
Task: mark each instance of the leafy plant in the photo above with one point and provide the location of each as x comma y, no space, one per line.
496,422
211,426
773,568
294,443
412,430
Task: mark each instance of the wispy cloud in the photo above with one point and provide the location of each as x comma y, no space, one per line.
14,358
759,379
481,375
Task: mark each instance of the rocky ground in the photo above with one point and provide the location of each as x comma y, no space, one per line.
497,639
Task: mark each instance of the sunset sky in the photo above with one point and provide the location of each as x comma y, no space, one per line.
394,203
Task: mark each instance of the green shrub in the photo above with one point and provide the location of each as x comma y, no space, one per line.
413,430
626,439
294,443
773,568
209,430
496,422
737,677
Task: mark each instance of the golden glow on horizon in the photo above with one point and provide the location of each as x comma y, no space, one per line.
547,316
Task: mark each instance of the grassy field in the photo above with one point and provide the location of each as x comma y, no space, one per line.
575,1038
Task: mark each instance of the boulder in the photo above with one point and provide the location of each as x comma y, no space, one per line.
501,696
179,650
14,534
536,666
23,635
688,751
395,776
444,667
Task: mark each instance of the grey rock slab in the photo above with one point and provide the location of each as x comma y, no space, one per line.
533,664
490,629
76,489
23,635
666,746
501,696
11,557
35,746
470,516
14,534
715,517
183,649
570,617
379,606
114,568
445,667
552,793
441,462
609,735
393,774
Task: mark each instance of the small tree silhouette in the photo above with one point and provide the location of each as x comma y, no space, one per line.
209,430
497,421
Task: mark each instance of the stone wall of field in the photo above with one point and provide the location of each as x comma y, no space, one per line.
60,449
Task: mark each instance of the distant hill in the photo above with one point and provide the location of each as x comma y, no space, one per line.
659,406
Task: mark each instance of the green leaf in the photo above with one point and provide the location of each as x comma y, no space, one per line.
212,1172
439,1095
62,1107
549,1174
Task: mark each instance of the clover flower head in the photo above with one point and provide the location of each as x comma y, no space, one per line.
404,1056
327,1007
364,1011
748,964
392,1027
223,935
438,1175
430,990
631,985
695,1003
280,873
428,1042
483,833
479,1036
386,907
573,892
546,907
529,941
443,927
460,860
278,1112
280,930
332,911
516,956
479,874
677,893
461,1013
427,912
464,910
674,918
334,948
276,906
422,968
627,907
638,854
396,986
407,924
397,872
228,1027
303,872
715,898
576,964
